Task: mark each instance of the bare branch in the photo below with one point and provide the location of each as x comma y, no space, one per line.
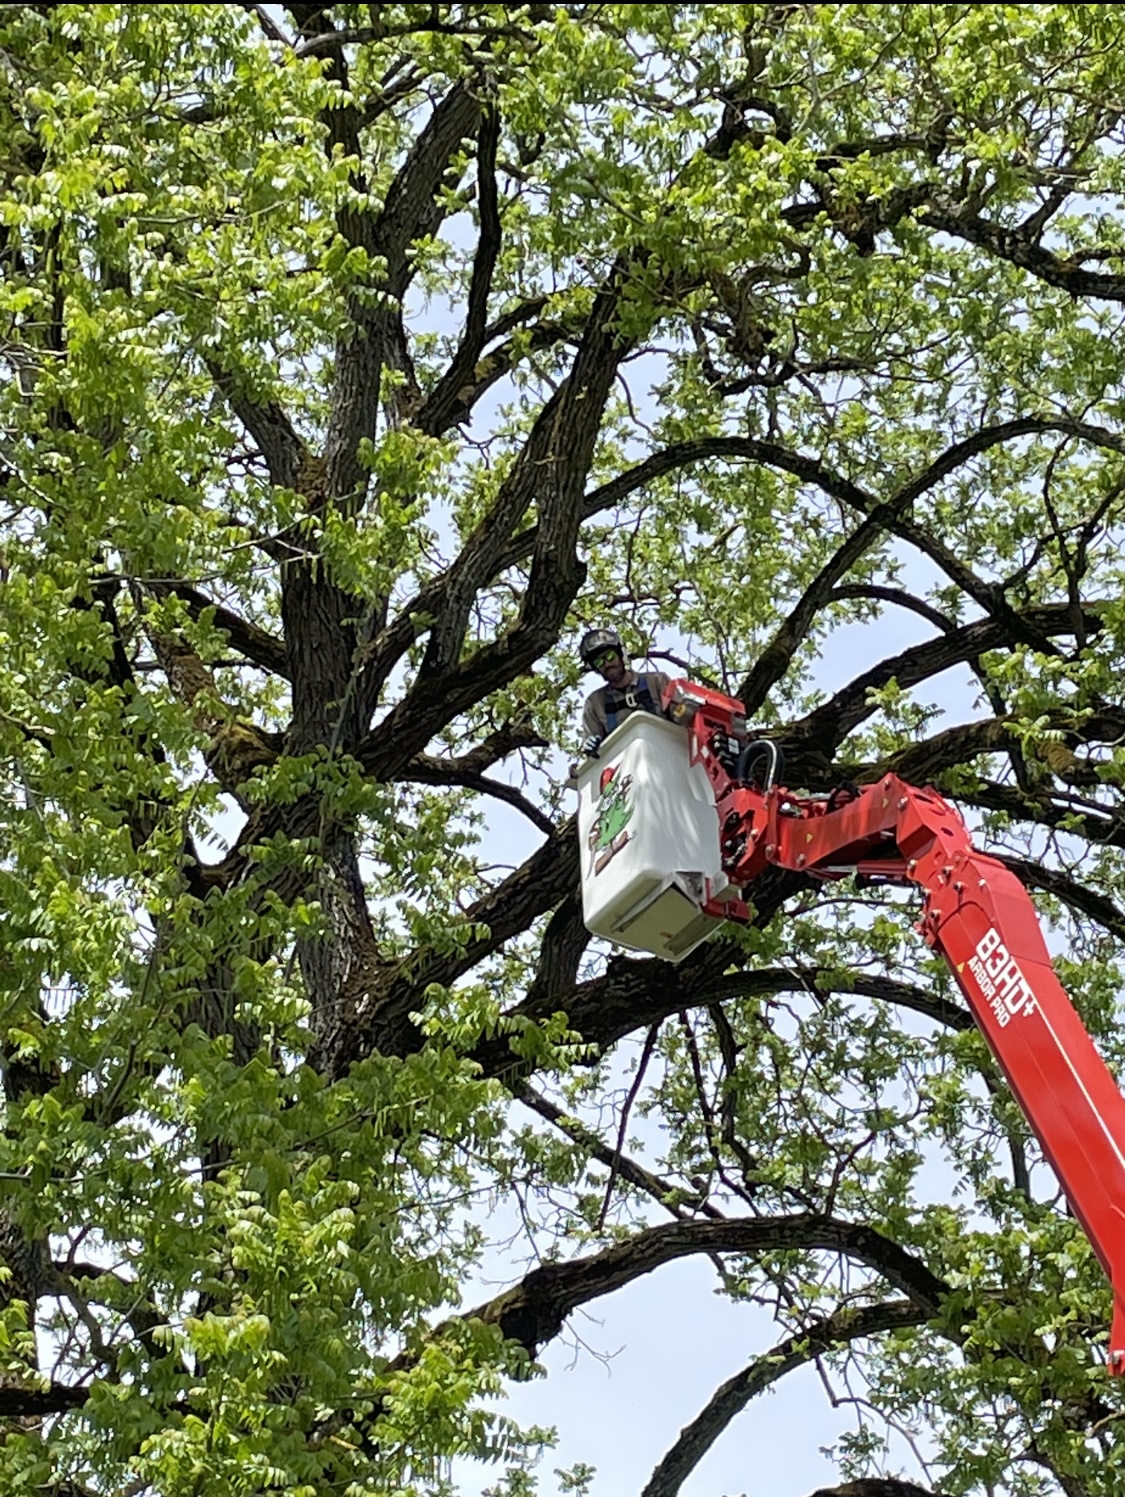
426,770
467,770
276,33
777,657
631,1096
872,592
819,1336
668,1194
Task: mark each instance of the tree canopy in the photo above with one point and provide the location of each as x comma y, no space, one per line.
359,358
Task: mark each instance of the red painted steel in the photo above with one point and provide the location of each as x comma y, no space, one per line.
978,916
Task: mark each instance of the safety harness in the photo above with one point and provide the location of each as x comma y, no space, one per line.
619,702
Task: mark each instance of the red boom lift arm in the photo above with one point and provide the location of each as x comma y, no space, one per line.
976,914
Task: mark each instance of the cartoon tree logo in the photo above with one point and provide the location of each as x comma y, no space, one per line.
609,833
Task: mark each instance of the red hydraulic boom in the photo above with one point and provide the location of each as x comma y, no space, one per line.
975,913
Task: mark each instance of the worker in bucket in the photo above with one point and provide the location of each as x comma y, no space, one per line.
624,691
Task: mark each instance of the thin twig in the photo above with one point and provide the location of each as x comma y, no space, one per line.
646,1055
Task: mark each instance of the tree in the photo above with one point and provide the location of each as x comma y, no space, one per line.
359,358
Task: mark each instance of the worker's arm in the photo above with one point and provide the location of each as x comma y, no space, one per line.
595,724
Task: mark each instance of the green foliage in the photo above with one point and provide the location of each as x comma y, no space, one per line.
269,977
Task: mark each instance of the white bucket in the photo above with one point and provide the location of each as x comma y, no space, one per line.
648,840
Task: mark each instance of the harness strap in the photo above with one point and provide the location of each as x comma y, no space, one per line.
619,704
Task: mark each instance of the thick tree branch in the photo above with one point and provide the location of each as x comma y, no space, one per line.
565,939
449,404
27,1403
381,1020
769,980
248,639
447,393
534,1311
811,470
1021,248
268,426
413,208
631,994
1106,827
989,596
478,558
1069,891
238,748
515,733
374,334
425,770
833,720
635,992
552,470
392,642
921,762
